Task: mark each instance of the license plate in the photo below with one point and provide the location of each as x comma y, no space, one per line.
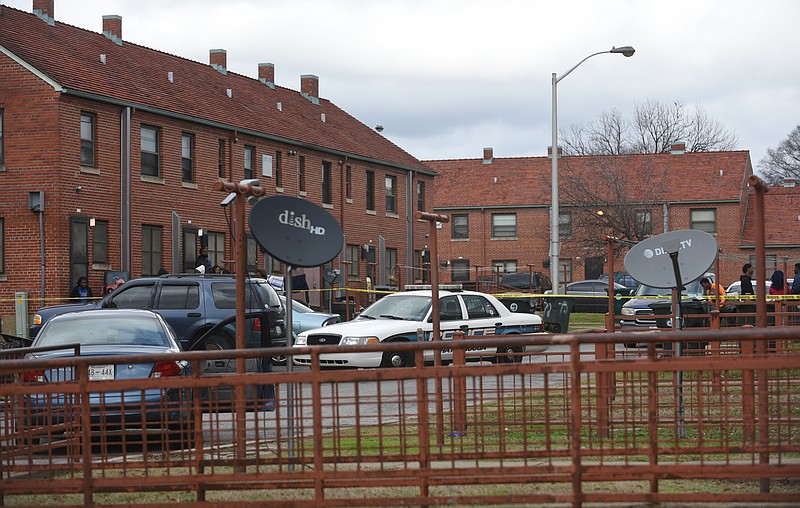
101,372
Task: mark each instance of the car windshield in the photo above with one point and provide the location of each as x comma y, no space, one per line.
101,330
407,307
692,289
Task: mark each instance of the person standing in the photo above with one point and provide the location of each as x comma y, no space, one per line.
747,279
778,286
202,260
82,292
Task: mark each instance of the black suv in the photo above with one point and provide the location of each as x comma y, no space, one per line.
192,304
535,282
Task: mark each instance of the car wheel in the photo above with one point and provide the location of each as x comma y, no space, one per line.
509,355
278,359
395,359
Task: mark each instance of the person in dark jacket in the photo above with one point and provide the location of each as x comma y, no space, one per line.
82,293
747,279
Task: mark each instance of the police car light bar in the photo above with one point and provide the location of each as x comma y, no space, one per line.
443,287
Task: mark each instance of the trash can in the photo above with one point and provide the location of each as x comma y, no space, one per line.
556,314
519,304
663,312
619,301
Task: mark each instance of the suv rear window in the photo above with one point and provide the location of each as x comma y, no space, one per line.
267,294
224,294
179,296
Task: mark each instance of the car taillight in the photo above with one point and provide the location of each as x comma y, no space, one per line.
34,376
257,325
162,369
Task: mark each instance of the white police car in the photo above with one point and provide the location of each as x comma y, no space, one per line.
406,316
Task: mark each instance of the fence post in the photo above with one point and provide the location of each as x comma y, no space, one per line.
716,345
459,386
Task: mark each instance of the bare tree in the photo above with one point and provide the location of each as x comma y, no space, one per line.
653,129
784,161
608,186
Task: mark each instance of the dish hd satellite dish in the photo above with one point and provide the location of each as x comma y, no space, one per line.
650,263
296,231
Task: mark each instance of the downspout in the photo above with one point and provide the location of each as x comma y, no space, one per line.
41,242
409,228
665,213
125,191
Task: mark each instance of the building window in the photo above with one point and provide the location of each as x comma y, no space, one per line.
504,225
187,157
2,152
704,219
351,256
2,246
459,270
327,187
249,161
274,265
221,158
216,248
460,228
391,267
301,174
87,139
150,151
100,242
348,182
565,271
644,224
421,196
391,194
278,169
504,265
370,190
564,224
151,250
252,255
78,248
421,266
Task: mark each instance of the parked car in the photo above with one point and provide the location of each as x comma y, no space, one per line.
108,332
305,318
535,282
406,316
735,288
190,303
637,313
623,278
588,295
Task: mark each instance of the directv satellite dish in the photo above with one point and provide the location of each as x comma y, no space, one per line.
650,263
296,231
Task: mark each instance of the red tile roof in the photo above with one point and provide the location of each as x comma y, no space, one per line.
137,76
717,176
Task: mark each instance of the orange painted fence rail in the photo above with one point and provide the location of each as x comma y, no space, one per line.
578,419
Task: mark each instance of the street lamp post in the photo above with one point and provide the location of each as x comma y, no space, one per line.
555,241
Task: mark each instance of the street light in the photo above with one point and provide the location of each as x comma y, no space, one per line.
555,241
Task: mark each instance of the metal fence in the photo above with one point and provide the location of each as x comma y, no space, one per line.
583,418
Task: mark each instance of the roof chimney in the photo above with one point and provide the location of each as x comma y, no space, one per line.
112,28
309,87
45,10
218,58
266,74
550,152
488,155
677,148
44,7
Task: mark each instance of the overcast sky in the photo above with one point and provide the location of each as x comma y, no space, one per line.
447,78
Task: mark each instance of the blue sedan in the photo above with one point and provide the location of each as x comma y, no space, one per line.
106,332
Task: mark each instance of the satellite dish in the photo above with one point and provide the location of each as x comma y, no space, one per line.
296,231
649,261
332,276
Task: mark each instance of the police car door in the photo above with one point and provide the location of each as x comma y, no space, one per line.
482,316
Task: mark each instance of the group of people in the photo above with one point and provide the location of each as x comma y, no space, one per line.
779,284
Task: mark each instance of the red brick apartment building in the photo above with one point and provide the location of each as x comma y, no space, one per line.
499,210
109,151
